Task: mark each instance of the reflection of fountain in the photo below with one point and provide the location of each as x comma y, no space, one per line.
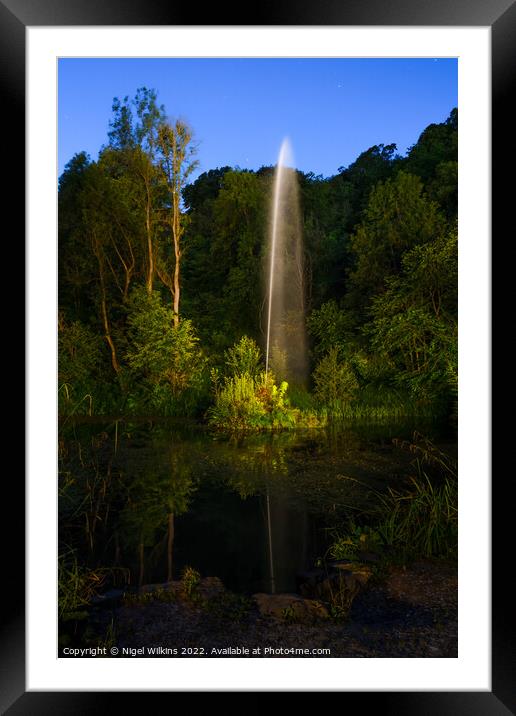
286,340
269,533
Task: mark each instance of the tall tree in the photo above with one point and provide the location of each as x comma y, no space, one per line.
398,216
415,320
177,164
134,136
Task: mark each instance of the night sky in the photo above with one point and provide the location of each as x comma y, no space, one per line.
241,109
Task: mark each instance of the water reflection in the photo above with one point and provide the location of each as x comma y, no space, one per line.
153,497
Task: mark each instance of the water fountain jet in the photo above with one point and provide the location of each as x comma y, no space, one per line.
286,335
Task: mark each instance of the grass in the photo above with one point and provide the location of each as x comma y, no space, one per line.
420,520
77,585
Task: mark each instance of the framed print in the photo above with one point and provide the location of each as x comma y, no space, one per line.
182,507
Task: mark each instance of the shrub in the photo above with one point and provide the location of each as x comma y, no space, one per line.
190,582
246,403
80,366
335,382
356,539
244,358
167,357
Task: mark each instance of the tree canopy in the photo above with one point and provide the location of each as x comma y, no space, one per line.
160,275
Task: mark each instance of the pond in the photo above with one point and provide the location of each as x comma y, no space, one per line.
141,500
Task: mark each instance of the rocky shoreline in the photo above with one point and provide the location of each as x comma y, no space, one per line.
410,612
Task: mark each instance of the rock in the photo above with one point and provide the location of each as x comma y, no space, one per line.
287,607
210,587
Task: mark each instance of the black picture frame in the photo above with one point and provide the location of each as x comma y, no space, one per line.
15,16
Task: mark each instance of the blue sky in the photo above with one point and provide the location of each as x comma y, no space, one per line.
241,109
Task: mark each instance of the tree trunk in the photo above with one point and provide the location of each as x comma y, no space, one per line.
105,320
103,305
170,545
176,231
176,288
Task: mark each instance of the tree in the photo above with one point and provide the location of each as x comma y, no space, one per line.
166,356
335,382
375,165
96,226
434,158
135,141
330,326
398,217
414,322
244,357
76,265
327,206
438,143
176,164
237,252
201,298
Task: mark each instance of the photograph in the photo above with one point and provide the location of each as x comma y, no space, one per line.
257,331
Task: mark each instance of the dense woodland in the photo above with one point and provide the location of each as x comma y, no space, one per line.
161,280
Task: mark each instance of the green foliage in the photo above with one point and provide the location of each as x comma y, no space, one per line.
442,188
438,143
249,399
398,217
302,399
80,353
421,521
417,520
380,278
244,358
415,321
81,356
77,585
190,582
330,326
335,382
234,260
357,539
237,406
167,357
247,403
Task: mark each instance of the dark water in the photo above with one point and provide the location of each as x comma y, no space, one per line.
246,510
